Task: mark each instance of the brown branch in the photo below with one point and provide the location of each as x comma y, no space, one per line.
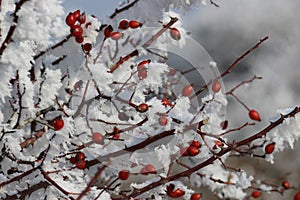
29,191
209,161
145,45
131,149
233,65
12,28
117,11
31,140
47,177
242,83
92,182
52,48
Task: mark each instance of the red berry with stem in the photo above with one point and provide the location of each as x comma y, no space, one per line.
254,115
76,14
142,74
70,20
58,124
175,34
172,72
82,18
224,124
81,164
108,30
123,116
79,39
285,185
216,87
270,148
256,194
98,138
196,144
218,144
166,102
79,156
76,30
148,169
196,196
163,120
123,174
143,107
116,35
134,24
174,193
124,24
187,90
142,64
297,196
193,151
73,160
87,47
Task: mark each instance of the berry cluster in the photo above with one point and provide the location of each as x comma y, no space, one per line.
123,25
192,150
79,160
75,20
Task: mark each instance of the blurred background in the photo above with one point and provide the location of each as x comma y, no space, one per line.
226,32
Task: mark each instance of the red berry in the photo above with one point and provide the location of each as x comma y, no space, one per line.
79,39
81,164
70,20
254,115
297,196
108,30
143,63
174,193
187,90
166,102
82,18
175,34
124,24
256,194
172,72
87,47
123,174
218,144
163,120
270,148
142,74
122,116
143,107
134,24
193,151
79,156
76,14
116,35
73,160
285,185
58,124
216,87
148,169
88,24
196,196
196,144
98,138
76,30
224,124
116,136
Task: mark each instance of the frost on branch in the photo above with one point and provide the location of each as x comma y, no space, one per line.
82,101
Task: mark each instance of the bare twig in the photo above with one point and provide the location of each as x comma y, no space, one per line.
117,11
233,65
